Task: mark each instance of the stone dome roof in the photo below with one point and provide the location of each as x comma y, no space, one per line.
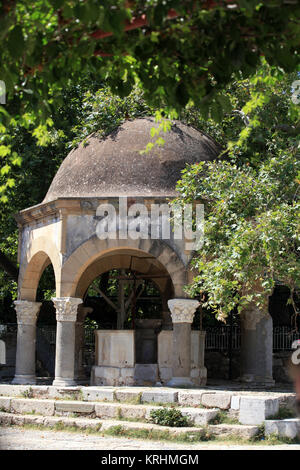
114,166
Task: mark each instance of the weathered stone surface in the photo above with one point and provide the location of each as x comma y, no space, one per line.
37,420
133,411
254,410
94,394
74,407
112,376
107,410
115,348
5,418
62,392
216,400
235,402
12,390
283,428
237,430
145,374
190,397
53,421
114,166
5,403
165,374
160,396
27,405
199,417
127,395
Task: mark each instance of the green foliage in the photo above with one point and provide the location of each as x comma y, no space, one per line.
169,417
252,208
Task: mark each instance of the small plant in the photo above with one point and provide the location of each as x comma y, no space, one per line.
28,393
260,435
169,417
283,413
223,418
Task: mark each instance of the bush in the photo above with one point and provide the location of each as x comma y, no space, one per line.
169,417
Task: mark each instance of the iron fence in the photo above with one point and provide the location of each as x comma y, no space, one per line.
216,339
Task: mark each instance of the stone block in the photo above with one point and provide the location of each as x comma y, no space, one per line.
160,396
127,395
216,400
126,376
97,394
5,404
190,397
107,410
165,374
115,348
6,418
63,392
199,417
12,390
254,410
133,411
235,402
237,430
28,405
283,428
74,407
145,374
105,376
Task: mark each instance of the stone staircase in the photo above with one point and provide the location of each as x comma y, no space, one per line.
128,410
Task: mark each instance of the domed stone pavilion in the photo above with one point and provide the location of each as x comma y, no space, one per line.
63,231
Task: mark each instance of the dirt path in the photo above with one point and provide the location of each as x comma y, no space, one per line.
17,438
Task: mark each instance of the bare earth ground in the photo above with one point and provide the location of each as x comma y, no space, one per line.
16,438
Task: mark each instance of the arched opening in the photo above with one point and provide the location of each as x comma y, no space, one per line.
124,291
38,284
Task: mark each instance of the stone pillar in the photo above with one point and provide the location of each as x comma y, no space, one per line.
79,343
182,313
256,346
66,316
27,313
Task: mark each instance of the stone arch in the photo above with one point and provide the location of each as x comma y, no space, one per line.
42,253
118,260
94,248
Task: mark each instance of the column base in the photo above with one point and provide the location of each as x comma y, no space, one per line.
180,382
60,382
257,380
24,380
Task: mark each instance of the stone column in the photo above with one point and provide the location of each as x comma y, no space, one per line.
256,346
27,313
79,343
182,313
66,316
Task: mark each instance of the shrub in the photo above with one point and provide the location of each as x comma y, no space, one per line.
169,417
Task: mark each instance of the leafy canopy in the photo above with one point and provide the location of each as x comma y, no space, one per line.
251,199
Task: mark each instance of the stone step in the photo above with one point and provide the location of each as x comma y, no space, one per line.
249,407
222,430
198,416
283,427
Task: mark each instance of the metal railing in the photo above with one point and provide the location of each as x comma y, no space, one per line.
216,339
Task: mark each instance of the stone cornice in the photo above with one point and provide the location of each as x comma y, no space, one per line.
79,205
182,310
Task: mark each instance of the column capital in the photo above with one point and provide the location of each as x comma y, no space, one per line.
182,310
66,308
27,311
